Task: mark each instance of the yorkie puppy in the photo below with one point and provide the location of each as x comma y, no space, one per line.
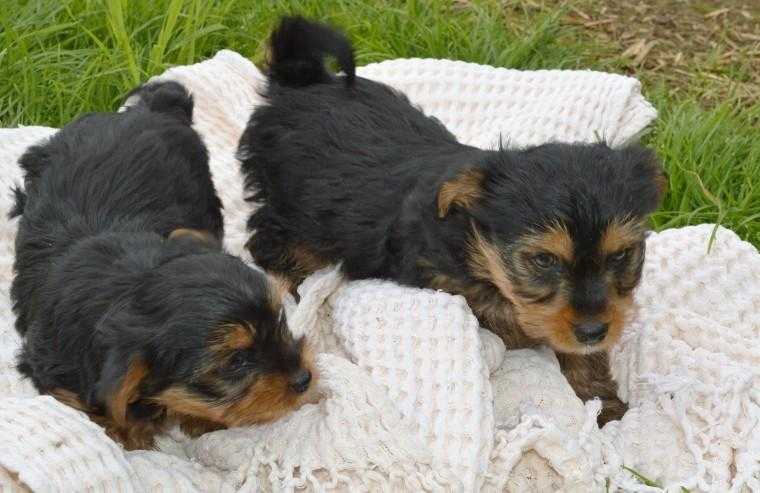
545,243
129,308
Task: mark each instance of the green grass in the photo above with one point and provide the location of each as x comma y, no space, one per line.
60,58
646,481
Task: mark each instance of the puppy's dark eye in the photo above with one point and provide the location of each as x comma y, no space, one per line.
544,260
238,360
620,257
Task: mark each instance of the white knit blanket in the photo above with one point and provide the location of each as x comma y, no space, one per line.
414,395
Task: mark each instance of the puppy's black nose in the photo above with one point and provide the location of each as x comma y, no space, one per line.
590,332
299,381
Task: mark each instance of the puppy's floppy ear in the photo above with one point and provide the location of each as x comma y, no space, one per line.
648,179
463,190
119,384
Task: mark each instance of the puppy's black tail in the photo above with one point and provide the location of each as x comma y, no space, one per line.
171,98
19,202
298,50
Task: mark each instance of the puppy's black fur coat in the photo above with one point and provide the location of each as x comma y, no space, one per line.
347,170
102,289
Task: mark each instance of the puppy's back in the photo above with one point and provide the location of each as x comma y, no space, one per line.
335,159
144,164
143,170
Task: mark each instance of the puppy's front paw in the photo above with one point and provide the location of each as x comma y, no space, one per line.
612,409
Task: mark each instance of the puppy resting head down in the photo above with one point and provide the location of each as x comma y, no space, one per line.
129,308
223,353
201,340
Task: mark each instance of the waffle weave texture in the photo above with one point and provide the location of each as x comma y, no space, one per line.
414,395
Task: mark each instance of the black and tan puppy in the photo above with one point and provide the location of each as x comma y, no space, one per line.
129,308
546,243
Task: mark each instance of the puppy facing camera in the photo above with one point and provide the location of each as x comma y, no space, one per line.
546,243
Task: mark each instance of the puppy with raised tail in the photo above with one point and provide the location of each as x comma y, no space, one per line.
546,243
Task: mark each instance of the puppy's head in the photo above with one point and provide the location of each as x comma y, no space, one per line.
559,230
202,337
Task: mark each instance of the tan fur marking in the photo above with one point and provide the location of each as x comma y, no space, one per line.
486,263
464,190
232,337
279,287
137,436
298,263
270,397
267,399
133,435
620,235
196,427
306,260
179,401
70,399
295,262
556,240
617,314
551,322
198,234
128,391
554,321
